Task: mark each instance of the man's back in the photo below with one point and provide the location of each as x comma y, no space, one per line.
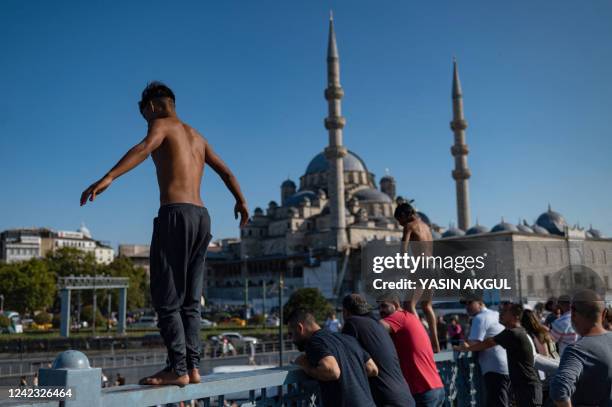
389,388
585,372
419,231
486,324
179,162
415,352
351,389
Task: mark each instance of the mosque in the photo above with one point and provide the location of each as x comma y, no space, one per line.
315,235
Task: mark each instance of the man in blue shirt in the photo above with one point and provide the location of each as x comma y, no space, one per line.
335,360
389,388
493,361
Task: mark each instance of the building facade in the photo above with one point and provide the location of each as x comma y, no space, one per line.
25,244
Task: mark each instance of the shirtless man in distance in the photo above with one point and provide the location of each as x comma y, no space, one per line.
417,231
181,231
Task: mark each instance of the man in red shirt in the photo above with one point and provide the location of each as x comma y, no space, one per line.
415,352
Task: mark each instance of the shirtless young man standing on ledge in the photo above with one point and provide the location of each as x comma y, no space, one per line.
417,237
181,231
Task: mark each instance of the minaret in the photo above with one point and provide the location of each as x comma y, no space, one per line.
459,150
334,123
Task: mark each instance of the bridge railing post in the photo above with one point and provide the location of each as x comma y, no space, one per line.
65,313
121,322
71,370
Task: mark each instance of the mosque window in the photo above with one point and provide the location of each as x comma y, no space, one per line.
530,283
547,282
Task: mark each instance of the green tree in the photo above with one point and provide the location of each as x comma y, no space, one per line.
309,299
138,281
87,315
5,322
69,261
27,286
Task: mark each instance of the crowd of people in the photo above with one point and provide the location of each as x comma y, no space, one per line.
388,360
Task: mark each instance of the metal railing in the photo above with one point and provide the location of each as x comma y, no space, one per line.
28,366
287,386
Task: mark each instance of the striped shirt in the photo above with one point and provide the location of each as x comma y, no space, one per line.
563,332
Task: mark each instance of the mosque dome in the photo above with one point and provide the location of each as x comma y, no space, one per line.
83,229
435,235
594,233
477,229
288,184
552,221
371,195
504,226
524,227
299,197
258,211
351,161
537,229
453,232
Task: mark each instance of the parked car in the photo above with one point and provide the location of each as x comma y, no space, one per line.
236,338
206,324
145,322
235,321
272,322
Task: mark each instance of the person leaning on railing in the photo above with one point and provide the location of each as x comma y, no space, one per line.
521,359
389,388
335,360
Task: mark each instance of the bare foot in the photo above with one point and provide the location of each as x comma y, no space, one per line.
165,377
194,376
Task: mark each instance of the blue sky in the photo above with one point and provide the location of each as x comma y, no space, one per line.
250,76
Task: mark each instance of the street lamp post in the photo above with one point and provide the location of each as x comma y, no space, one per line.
263,305
281,286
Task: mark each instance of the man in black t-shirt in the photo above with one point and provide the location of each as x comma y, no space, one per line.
389,388
524,378
335,360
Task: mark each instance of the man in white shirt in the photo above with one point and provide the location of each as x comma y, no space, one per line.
493,361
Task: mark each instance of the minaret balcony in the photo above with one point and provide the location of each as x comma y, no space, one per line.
333,152
334,122
461,174
459,124
334,92
459,149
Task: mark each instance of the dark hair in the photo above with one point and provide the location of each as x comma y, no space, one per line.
301,315
404,209
155,90
389,297
355,304
514,308
530,322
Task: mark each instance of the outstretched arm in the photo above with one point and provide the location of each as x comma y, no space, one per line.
476,346
137,154
217,164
